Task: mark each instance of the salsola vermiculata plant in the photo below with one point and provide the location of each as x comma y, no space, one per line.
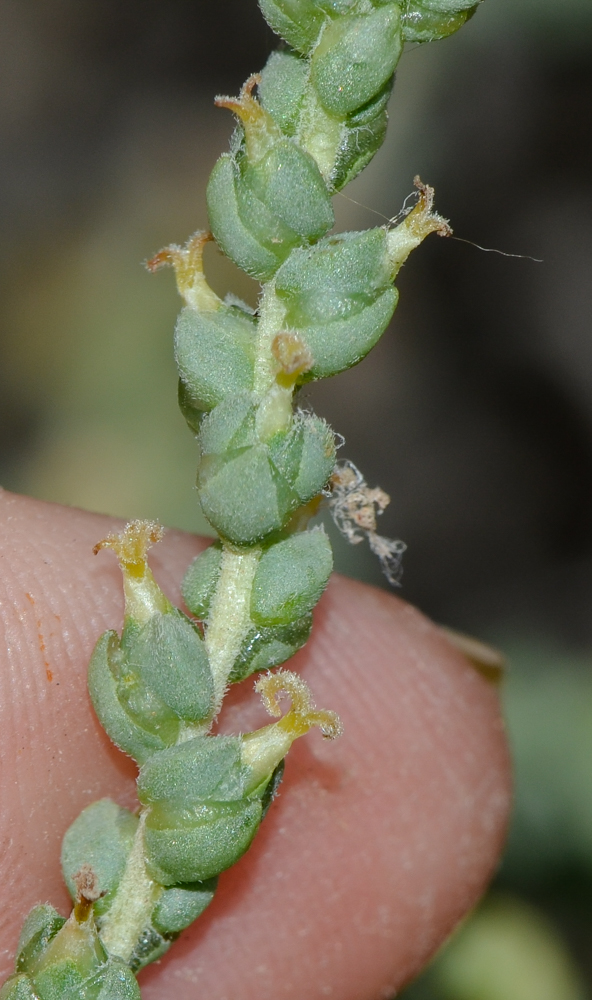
306,126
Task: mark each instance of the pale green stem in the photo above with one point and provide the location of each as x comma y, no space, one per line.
131,909
229,619
271,322
319,134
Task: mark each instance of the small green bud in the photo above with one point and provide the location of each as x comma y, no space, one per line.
159,674
203,813
248,488
355,58
101,838
40,927
264,648
339,298
291,577
200,581
268,197
74,958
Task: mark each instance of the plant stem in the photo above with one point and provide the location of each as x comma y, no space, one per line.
132,907
229,618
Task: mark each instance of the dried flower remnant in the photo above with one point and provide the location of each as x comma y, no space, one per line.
354,507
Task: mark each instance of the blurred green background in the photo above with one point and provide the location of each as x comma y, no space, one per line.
474,413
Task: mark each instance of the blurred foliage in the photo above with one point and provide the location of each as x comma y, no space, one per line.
505,951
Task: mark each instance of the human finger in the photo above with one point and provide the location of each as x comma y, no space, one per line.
376,845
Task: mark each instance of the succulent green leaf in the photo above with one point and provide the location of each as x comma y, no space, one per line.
248,490
202,850
291,577
116,982
201,819
18,987
430,20
264,648
120,725
40,927
363,134
102,837
317,460
180,905
260,211
192,415
200,581
81,970
231,233
203,768
335,278
63,981
282,88
242,495
214,351
169,655
344,343
355,58
339,297
231,425
297,21
288,182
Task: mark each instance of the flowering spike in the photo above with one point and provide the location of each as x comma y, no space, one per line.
320,115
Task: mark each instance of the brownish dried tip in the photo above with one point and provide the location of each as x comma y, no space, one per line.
303,714
422,217
87,888
243,104
292,354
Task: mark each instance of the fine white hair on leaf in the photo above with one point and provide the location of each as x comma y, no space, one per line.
354,508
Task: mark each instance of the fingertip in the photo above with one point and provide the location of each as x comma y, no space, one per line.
380,841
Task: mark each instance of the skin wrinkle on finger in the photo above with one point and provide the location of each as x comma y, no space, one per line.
376,845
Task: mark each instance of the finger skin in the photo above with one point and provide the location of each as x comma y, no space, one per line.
377,844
